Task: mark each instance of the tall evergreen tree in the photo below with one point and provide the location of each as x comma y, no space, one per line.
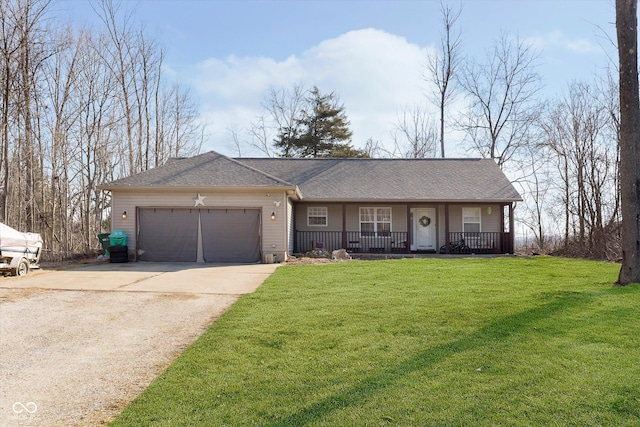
322,130
324,126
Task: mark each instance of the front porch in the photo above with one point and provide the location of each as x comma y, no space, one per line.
395,242
403,228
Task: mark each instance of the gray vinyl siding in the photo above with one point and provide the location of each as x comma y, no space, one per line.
353,218
334,220
488,222
334,217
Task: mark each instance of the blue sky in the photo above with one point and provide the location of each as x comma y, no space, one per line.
371,53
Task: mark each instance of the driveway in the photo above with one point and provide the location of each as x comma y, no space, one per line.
77,346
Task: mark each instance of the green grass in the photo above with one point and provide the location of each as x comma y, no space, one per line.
442,342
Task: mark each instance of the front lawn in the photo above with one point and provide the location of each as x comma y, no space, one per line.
420,342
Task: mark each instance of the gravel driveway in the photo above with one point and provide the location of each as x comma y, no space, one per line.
74,357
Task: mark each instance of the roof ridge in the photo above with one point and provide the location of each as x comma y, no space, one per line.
282,181
362,159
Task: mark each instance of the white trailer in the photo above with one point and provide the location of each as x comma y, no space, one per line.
19,252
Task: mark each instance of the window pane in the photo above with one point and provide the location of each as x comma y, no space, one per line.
471,215
384,214
317,211
367,229
471,228
384,229
317,215
471,220
367,214
317,220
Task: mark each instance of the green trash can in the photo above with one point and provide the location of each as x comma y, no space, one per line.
105,242
118,238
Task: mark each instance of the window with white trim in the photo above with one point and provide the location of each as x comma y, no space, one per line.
471,220
375,221
317,216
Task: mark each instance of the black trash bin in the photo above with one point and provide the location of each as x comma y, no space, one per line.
119,253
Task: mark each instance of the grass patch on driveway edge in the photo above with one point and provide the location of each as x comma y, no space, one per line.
502,341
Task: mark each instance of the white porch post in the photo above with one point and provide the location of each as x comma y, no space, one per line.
512,228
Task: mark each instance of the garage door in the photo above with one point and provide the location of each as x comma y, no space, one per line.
230,235
227,235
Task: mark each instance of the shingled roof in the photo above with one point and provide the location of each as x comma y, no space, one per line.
423,180
206,170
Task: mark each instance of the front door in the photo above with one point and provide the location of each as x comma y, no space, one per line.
424,229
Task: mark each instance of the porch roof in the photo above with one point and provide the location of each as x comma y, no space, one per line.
451,180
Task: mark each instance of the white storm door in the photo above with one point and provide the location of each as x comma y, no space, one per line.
424,229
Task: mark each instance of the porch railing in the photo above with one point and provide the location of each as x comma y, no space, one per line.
352,241
396,242
479,243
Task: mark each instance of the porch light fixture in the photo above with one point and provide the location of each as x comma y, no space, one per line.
124,214
489,210
273,216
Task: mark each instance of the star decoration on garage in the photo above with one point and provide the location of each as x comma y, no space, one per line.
199,200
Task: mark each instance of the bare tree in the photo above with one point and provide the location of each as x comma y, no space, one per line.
375,149
149,59
33,48
414,134
282,108
627,35
78,108
581,139
554,134
260,134
185,133
61,78
537,184
442,67
9,47
94,155
503,99
158,112
236,141
118,55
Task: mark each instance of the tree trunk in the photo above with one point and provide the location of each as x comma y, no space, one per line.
627,32
442,128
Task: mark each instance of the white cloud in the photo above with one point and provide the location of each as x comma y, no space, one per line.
374,73
557,39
